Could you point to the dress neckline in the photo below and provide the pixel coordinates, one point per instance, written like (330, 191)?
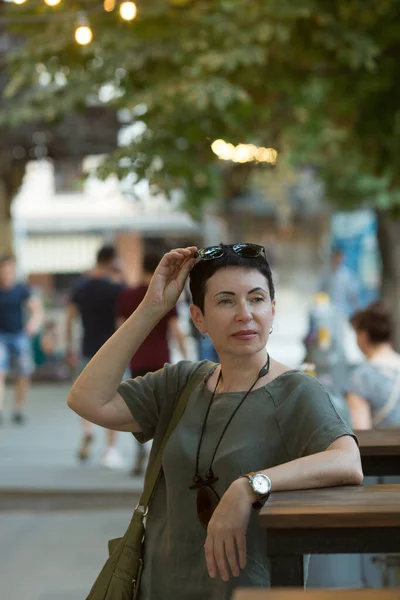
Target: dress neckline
(207, 377)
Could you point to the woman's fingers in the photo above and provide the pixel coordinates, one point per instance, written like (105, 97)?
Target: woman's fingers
(176, 259)
(221, 552)
(210, 560)
(231, 555)
(185, 268)
(220, 558)
(182, 253)
(241, 549)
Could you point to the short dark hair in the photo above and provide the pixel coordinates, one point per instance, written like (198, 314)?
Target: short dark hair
(106, 254)
(205, 269)
(376, 320)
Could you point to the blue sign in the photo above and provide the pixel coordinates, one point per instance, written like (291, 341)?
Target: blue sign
(355, 234)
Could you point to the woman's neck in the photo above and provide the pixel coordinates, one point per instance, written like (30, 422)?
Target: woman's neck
(238, 375)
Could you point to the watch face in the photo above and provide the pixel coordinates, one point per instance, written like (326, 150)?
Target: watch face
(261, 484)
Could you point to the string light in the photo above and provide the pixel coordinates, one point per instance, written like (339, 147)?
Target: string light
(109, 5)
(83, 33)
(243, 153)
(127, 10)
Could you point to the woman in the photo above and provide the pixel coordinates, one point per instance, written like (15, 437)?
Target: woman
(374, 387)
(250, 414)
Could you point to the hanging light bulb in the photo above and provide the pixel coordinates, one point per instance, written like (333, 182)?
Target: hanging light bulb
(52, 2)
(109, 5)
(83, 33)
(127, 10)
(19, 1)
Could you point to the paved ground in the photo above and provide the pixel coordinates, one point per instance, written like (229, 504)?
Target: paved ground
(54, 556)
(41, 454)
(48, 554)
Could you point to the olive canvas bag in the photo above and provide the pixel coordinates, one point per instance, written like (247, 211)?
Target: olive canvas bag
(120, 576)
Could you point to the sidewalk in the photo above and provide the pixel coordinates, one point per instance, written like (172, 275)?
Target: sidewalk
(41, 454)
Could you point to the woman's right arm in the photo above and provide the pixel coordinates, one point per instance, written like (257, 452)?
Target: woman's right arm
(94, 394)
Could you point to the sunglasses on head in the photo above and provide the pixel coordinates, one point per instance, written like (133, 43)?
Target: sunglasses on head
(243, 250)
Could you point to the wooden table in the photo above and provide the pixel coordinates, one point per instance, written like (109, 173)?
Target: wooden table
(296, 594)
(351, 519)
(380, 451)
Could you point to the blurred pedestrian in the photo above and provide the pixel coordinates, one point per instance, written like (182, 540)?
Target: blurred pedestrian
(94, 300)
(374, 387)
(45, 345)
(49, 359)
(155, 350)
(341, 284)
(332, 346)
(15, 332)
(325, 345)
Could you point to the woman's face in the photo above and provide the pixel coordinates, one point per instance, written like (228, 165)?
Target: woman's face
(238, 312)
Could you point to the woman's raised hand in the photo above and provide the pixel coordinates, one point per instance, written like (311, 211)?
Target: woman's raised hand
(169, 278)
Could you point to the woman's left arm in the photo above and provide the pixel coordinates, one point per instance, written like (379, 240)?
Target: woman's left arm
(339, 464)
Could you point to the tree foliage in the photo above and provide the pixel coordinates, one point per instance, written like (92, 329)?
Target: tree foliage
(317, 78)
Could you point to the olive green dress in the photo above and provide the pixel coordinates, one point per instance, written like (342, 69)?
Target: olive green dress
(290, 417)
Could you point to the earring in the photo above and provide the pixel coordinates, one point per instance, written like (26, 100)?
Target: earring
(271, 330)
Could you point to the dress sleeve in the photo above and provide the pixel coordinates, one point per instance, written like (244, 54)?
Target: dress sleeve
(307, 418)
(151, 398)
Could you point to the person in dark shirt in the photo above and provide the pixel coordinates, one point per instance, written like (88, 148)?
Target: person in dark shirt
(155, 351)
(15, 332)
(94, 300)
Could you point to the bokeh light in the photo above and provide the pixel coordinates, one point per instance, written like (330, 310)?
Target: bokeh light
(243, 153)
(83, 35)
(109, 5)
(128, 11)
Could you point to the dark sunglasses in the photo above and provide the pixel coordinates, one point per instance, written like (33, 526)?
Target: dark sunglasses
(243, 250)
(207, 502)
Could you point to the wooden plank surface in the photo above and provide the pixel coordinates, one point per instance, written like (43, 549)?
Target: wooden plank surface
(347, 506)
(379, 441)
(300, 594)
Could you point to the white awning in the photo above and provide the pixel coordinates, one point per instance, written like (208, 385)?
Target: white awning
(70, 253)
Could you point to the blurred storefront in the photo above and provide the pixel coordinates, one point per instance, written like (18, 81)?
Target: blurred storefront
(60, 220)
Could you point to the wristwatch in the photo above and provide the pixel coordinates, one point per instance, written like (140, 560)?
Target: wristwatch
(261, 486)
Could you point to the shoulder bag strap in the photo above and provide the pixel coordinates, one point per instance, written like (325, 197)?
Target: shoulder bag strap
(390, 404)
(155, 472)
